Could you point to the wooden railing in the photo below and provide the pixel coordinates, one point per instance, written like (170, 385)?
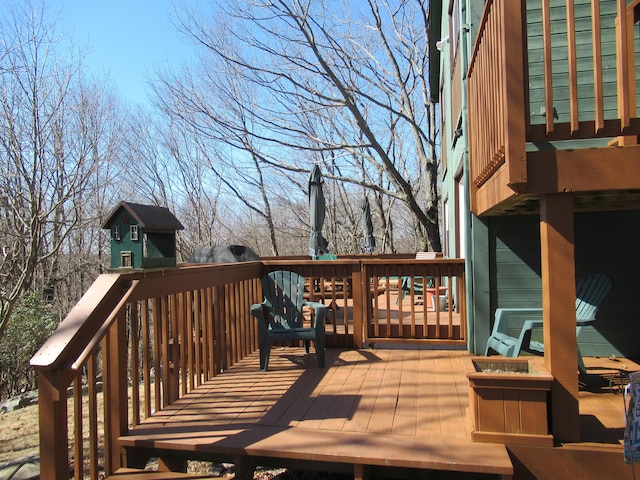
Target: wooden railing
(521, 91)
(416, 301)
(496, 94)
(137, 342)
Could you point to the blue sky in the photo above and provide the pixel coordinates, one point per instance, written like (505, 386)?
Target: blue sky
(125, 39)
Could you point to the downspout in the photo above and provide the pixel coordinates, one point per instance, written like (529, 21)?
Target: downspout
(468, 264)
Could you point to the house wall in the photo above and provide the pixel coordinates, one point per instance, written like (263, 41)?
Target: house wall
(606, 242)
(456, 217)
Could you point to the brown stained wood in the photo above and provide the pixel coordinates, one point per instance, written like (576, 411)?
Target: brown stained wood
(548, 72)
(488, 410)
(558, 302)
(573, 69)
(78, 447)
(598, 91)
(384, 409)
(93, 418)
(135, 362)
(407, 398)
(428, 412)
(146, 365)
(600, 169)
(622, 64)
(632, 15)
(512, 411)
(371, 385)
(533, 406)
(332, 415)
(450, 399)
(253, 412)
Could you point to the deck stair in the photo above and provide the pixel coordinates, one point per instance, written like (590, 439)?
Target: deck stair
(253, 445)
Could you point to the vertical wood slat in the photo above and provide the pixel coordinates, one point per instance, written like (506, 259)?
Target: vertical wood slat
(206, 333)
(622, 65)
(548, 71)
(209, 342)
(146, 364)
(165, 367)
(573, 70)
(93, 416)
(156, 319)
(182, 336)
(192, 312)
(598, 91)
(78, 434)
(134, 323)
(633, 10)
(197, 335)
(174, 350)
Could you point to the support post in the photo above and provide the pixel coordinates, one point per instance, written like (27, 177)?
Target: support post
(559, 312)
(52, 404)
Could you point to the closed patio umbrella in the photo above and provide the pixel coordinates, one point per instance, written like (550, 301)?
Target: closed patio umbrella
(369, 243)
(318, 245)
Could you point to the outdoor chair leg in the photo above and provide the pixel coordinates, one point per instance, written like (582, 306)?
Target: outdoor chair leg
(319, 344)
(265, 351)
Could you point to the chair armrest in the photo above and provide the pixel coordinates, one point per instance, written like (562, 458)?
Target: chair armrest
(258, 311)
(320, 312)
(502, 317)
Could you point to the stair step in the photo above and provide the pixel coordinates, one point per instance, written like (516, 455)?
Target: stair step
(135, 474)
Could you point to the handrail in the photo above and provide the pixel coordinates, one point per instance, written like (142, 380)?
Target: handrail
(150, 337)
(496, 95)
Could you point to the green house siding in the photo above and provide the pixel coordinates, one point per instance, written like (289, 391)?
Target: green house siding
(125, 244)
(142, 236)
(559, 55)
(607, 242)
(160, 250)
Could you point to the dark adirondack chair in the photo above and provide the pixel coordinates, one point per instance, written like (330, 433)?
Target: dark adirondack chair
(280, 315)
(590, 292)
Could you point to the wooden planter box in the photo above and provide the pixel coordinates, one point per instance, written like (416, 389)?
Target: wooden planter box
(509, 401)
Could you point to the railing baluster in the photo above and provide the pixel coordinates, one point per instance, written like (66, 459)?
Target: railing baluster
(78, 434)
(135, 362)
(177, 334)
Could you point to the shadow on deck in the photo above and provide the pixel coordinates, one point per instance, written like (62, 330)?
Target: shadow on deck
(368, 410)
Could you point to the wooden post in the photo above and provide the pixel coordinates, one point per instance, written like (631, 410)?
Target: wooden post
(360, 296)
(559, 312)
(115, 393)
(52, 400)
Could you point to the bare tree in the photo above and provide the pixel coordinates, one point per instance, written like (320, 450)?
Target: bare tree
(54, 139)
(314, 78)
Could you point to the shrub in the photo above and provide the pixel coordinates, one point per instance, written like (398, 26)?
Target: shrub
(31, 323)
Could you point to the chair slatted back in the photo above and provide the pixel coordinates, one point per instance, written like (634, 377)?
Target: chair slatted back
(284, 293)
(590, 292)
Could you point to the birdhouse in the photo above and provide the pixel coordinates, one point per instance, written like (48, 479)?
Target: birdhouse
(142, 236)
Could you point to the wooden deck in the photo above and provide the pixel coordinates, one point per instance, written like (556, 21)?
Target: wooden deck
(368, 409)
(386, 407)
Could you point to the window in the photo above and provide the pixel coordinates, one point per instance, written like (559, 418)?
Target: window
(134, 233)
(126, 259)
(115, 233)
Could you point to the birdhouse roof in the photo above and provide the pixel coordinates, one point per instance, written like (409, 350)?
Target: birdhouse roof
(149, 217)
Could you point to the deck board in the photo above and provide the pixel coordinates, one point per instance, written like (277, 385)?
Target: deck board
(368, 407)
